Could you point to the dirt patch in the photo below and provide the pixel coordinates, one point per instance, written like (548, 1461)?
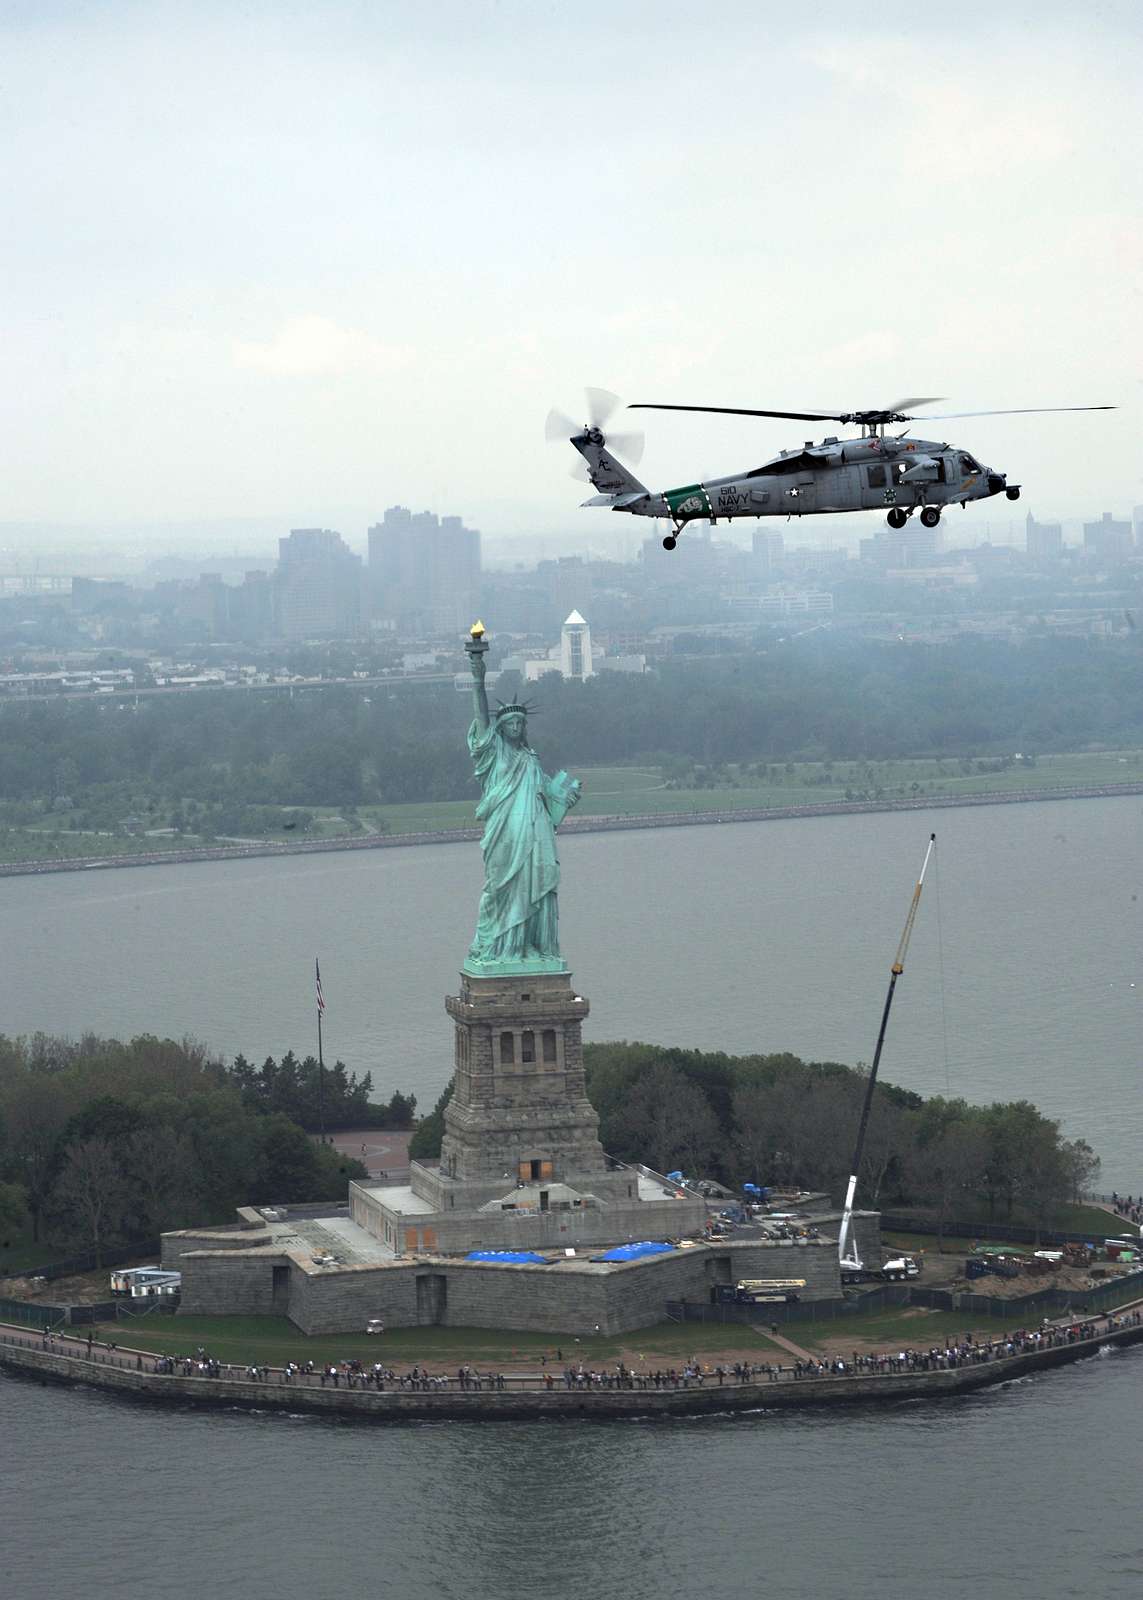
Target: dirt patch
(85, 1289)
(1075, 1280)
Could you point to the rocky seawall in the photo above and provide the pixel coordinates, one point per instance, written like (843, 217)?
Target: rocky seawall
(120, 1373)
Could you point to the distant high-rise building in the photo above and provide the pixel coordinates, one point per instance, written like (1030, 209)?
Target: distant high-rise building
(1044, 541)
(769, 548)
(1108, 538)
(570, 583)
(575, 648)
(914, 545)
(424, 570)
(252, 607)
(318, 586)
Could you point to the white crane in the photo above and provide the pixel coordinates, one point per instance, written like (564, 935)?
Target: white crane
(853, 1262)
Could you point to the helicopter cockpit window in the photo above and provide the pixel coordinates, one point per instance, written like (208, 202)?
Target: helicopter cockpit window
(967, 464)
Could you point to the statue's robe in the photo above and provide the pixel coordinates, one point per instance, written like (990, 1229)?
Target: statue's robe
(518, 914)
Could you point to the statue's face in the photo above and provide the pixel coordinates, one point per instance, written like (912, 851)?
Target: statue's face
(513, 727)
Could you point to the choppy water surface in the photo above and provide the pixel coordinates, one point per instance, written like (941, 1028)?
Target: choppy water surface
(1023, 979)
(1028, 1491)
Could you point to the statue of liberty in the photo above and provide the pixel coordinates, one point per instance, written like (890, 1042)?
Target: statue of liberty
(517, 928)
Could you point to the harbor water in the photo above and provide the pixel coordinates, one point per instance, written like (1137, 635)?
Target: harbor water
(1022, 982)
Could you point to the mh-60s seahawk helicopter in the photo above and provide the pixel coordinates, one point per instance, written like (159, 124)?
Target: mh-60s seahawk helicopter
(875, 471)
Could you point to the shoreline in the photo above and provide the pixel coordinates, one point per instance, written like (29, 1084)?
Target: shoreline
(573, 825)
(120, 1373)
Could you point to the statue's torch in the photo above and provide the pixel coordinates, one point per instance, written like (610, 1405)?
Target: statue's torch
(476, 645)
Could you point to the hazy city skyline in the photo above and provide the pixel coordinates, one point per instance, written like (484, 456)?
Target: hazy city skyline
(292, 267)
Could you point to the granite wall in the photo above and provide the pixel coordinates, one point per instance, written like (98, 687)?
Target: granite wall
(566, 1298)
(176, 1245)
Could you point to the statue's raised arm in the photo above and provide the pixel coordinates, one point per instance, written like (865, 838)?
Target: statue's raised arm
(476, 649)
(517, 928)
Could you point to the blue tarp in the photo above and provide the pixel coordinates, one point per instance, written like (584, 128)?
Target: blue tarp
(513, 1257)
(632, 1252)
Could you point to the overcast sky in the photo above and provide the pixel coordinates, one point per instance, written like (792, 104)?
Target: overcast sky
(305, 261)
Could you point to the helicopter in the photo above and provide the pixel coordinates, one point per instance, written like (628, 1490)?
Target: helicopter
(877, 470)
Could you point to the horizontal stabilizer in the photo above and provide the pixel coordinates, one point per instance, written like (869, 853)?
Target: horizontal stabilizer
(617, 502)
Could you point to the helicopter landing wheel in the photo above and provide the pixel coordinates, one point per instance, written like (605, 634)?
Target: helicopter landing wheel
(670, 542)
(896, 518)
(930, 516)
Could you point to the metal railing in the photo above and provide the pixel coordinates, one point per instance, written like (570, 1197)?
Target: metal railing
(579, 1380)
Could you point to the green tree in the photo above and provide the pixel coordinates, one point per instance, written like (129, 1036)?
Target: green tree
(949, 1160)
(1081, 1167)
(425, 1144)
(400, 1111)
(90, 1193)
(288, 1170)
(13, 1208)
(36, 1104)
(669, 1118)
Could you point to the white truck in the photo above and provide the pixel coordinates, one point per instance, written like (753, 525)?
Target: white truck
(900, 1268)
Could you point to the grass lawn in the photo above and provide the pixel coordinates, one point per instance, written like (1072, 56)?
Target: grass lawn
(1093, 1220)
(629, 791)
(34, 844)
(893, 1330)
(916, 1243)
(275, 1340)
(18, 1252)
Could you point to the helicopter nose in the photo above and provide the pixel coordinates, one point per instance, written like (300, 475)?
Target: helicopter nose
(997, 482)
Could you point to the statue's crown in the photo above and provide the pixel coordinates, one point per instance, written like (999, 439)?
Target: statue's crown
(523, 707)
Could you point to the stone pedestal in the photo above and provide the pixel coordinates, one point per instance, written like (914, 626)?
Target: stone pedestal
(521, 1165)
(519, 1111)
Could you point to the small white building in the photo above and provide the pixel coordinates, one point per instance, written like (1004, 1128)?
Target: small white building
(571, 658)
(145, 1283)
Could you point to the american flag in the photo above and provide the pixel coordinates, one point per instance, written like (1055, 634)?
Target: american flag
(320, 996)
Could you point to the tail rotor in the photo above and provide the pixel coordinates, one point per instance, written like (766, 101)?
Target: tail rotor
(601, 406)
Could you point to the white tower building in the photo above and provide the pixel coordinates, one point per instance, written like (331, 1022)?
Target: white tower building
(575, 648)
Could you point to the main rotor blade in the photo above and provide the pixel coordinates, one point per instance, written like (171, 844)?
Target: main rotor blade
(600, 404)
(626, 444)
(559, 428)
(915, 400)
(741, 411)
(1016, 411)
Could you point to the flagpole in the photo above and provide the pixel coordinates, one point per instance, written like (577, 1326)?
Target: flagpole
(321, 1063)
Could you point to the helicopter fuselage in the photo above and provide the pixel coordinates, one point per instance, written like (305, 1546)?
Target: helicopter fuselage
(897, 475)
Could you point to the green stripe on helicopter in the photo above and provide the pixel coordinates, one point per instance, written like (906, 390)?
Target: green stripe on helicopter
(690, 501)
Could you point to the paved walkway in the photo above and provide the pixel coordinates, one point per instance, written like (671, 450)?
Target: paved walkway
(379, 1149)
(788, 1345)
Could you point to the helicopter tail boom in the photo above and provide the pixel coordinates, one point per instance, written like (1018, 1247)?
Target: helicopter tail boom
(607, 475)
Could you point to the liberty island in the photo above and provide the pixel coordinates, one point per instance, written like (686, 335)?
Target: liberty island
(524, 1221)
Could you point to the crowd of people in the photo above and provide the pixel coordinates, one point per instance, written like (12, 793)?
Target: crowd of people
(1129, 1206)
(967, 1351)
(964, 1350)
